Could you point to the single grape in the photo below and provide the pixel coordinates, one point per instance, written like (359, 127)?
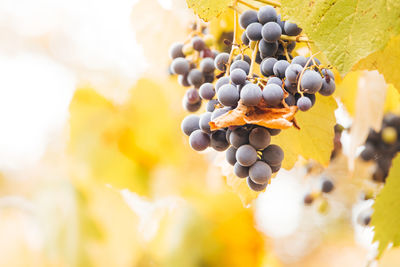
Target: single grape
(256, 187)
(240, 171)
(206, 91)
(326, 185)
(175, 50)
(267, 67)
(238, 76)
(280, 67)
(290, 100)
(180, 66)
(271, 32)
(241, 64)
(190, 124)
(220, 82)
(328, 72)
(290, 87)
(311, 97)
(198, 43)
(195, 78)
(260, 172)
(209, 77)
(247, 17)
(221, 60)
(308, 199)
(219, 112)
(292, 29)
(192, 96)
(204, 121)
(292, 72)
(273, 155)
(210, 107)
(364, 218)
(231, 155)
(253, 31)
(274, 80)
(304, 103)
(245, 39)
(239, 137)
(190, 107)
(243, 57)
(218, 140)
(274, 132)
(207, 65)
(311, 81)
(272, 94)
(267, 14)
(182, 80)
(301, 60)
(259, 138)
(251, 94)
(267, 49)
(328, 87)
(275, 168)
(246, 155)
(199, 140)
(228, 95)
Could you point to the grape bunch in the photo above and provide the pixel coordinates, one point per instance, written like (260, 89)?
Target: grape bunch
(193, 62)
(284, 81)
(381, 147)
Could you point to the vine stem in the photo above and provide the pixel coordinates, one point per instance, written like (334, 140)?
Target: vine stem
(253, 59)
(235, 37)
(296, 38)
(285, 50)
(302, 72)
(269, 2)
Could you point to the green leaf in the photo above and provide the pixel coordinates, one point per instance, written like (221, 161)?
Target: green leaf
(386, 216)
(315, 138)
(208, 9)
(346, 30)
(385, 61)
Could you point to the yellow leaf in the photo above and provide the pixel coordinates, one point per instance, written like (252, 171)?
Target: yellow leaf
(208, 9)
(392, 103)
(314, 140)
(347, 91)
(386, 61)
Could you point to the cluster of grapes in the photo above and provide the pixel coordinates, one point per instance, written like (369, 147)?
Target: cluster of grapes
(193, 62)
(383, 146)
(285, 81)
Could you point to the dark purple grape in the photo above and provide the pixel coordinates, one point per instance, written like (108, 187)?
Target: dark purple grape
(210, 107)
(260, 172)
(273, 155)
(267, 67)
(195, 78)
(272, 94)
(175, 50)
(256, 187)
(198, 43)
(245, 40)
(280, 67)
(240, 171)
(180, 66)
(251, 94)
(218, 112)
(253, 31)
(326, 185)
(207, 65)
(274, 80)
(206, 91)
(221, 60)
(239, 137)
(292, 29)
(304, 103)
(243, 57)
(182, 80)
(271, 32)
(292, 72)
(259, 138)
(218, 140)
(231, 155)
(246, 155)
(220, 82)
(199, 140)
(238, 76)
(274, 132)
(311, 81)
(192, 96)
(190, 107)
(267, 49)
(190, 124)
(204, 121)
(241, 64)
(247, 17)
(228, 95)
(267, 14)
(328, 87)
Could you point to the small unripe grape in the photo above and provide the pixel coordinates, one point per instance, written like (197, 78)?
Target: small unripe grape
(389, 135)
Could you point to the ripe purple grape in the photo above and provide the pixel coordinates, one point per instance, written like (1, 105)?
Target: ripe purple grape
(267, 14)
(239, 137)
(251, 94)
(259, 138)
(256, 187)
(190, 124)
(271, 32)
(292, 29)
(280, 67)
(240, 171)
(195, 78)
(253, 31)
(206, 91)
(246, 155)
(260, 172)
(311, 81)
(221, 60)
(199, 140)
(204, 121)
(267, 49)
(241, 64)
(304, 103)
(175, 50)
(218, 140)
(180, 66)
(273, 155)
(267, 66)
(231, 155)
(207, 65)
(272, 94)
(238, 76)
(228, 95)
(292, 72)
(247, 17)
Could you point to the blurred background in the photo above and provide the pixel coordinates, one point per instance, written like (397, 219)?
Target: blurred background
(96, 172)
